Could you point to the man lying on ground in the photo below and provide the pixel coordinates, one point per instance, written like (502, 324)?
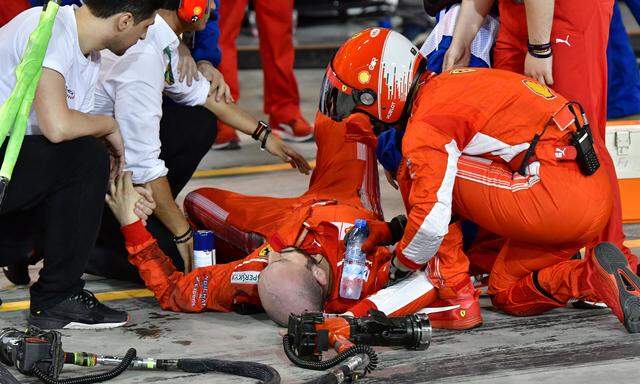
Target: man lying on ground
(163, 151)
(299, 267)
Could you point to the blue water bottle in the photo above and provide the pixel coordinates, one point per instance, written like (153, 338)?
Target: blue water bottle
(354, 267)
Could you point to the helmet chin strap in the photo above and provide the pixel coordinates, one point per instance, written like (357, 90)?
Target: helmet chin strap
(415, 85)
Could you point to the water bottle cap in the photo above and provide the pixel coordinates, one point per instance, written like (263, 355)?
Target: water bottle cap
(361, 223)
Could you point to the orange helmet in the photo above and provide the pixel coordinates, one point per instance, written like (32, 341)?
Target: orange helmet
(373, 72)
(193, 10)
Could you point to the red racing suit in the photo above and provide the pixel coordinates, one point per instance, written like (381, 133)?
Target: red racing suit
(275, 23)
(11, 9)
(579, 37)
(466, 138)
(343, 188)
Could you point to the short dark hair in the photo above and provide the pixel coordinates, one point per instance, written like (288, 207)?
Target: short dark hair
(172, 5)
(140, 9)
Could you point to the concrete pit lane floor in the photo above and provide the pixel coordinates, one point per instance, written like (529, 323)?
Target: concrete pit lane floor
(563, 346)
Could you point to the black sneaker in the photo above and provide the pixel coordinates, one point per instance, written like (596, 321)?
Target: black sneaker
(80, 311)
(18, 273)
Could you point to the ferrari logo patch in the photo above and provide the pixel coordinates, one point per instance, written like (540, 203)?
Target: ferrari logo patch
(265, 251)
(539, 89)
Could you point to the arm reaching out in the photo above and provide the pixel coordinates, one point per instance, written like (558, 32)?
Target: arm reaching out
(404, 298)
(174, 290)
(243, 122)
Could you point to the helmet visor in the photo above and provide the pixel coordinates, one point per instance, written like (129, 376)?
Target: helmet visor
(336, 98)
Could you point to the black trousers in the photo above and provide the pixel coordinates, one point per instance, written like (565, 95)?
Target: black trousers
(186, 134)
(54, 203)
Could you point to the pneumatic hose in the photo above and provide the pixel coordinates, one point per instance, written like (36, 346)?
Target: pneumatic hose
(98, 378)
(324, 365)
(262, 372)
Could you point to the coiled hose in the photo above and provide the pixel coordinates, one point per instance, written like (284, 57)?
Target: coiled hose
(262, 372)
(324, 365)
(98, 378)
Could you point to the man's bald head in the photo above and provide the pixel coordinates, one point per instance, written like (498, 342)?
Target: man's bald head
(286, 287)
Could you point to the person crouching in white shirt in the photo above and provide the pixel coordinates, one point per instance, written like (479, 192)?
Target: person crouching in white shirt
(162, 152)
(55, 199)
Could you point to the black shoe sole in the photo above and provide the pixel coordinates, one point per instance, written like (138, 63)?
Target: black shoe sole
(18, 274)
(53, 323)
(612, 261)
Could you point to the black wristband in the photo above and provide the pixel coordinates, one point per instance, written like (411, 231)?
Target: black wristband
(184, 237)
(263, 144)
(540, 51)
(541, 55)
(397, 226)
(259, 129)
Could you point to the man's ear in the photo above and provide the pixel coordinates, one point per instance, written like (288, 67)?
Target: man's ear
(125, 20)
(320, 275)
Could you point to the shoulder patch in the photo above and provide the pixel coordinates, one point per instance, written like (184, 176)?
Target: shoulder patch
(265, 251)
(539, 89)
(246, 277)
(462, 70)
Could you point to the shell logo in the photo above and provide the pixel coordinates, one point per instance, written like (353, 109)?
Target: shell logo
(197, 10)
(364, 77)
(539, 89)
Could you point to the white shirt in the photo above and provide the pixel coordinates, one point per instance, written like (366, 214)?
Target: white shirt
(63, 55)
(482, 43)
(130, 89)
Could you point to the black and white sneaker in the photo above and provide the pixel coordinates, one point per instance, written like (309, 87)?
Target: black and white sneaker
(80, 311)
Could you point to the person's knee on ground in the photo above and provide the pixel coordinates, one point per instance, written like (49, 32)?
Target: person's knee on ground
(525, 298)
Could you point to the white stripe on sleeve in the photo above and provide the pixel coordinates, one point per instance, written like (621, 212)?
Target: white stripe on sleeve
(426, 241)
(395, 297)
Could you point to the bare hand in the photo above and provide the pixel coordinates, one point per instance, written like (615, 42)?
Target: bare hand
(123, 199)
(218, 85)
(187, 68)
(277, 147)
(146, 205)
(115, 145)
(391, 179)
(458, 55)
(539, 69)
(186, 252)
